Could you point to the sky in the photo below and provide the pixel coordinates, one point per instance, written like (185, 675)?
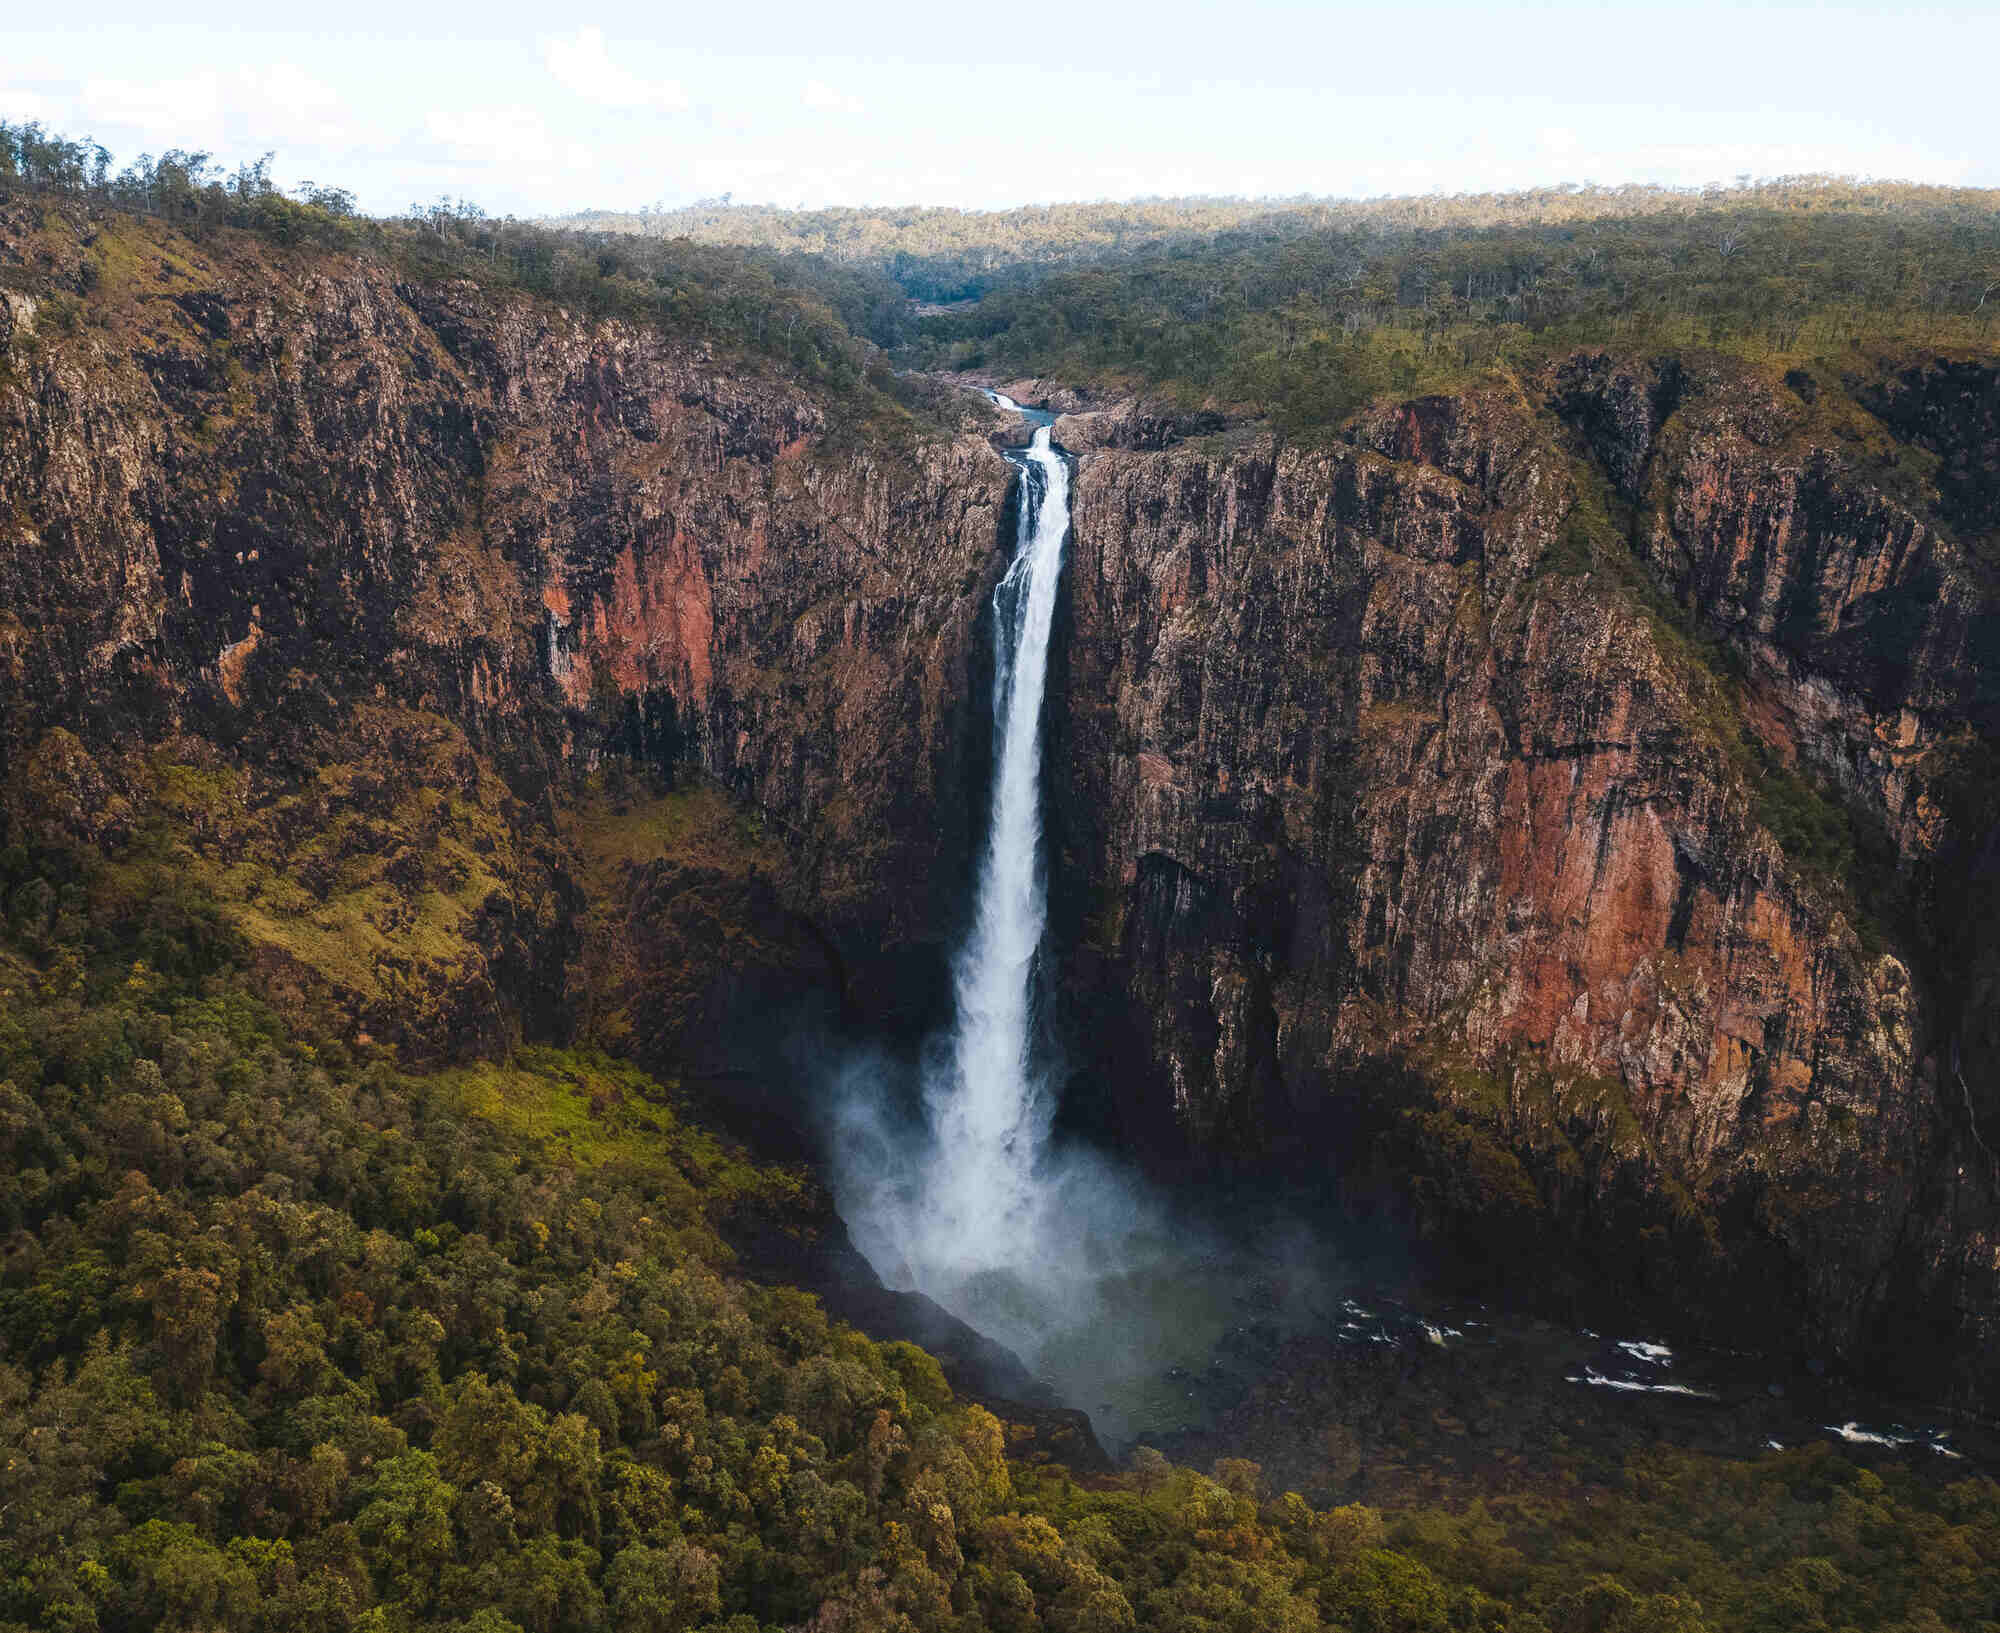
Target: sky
(541, 109)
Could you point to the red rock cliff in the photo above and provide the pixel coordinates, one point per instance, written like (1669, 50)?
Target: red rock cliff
(243, 492)
(1463, 744)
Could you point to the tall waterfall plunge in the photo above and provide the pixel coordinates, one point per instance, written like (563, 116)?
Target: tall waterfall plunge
(1046, 1250)
(963, 1208)
(988, 1112)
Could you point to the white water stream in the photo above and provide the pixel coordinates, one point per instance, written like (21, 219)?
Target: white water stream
(1036, 1248)
(988, 1111)
(1058, 1254)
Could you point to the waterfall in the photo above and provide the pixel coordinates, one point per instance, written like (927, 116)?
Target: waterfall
(988, 1113)
(966, 1207)
(1049, 1250)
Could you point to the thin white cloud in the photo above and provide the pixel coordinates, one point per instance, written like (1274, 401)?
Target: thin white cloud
(20, 107)
(823, 98)
(493, 135)
(183, 112)
(272, 105)
(583, 65)
(297, 105)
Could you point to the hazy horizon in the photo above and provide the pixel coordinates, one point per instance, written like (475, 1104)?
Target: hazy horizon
(1275, 201)
(900, 106)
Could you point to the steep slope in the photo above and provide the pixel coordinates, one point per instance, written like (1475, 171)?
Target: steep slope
(1412, 823)
(357, 576)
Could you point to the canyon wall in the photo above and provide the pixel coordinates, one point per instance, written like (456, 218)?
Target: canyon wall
(1462, 753)
(1565, 811)
(385, 566)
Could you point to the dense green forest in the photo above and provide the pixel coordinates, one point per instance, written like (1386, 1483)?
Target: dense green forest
(1308, 329)
(294, 1338)
(1304, 310)
(941, 254)
(1298, 311)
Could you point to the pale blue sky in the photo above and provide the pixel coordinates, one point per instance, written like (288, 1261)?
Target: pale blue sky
(532, 108)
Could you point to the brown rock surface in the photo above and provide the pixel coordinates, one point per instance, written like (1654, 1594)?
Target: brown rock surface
(1388, 752)
(1576, 802)
(243, 491)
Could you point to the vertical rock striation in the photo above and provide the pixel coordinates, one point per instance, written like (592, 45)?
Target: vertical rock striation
(243, 491)
(1457, 744)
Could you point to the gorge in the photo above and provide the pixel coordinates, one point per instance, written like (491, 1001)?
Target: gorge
(1527, 844)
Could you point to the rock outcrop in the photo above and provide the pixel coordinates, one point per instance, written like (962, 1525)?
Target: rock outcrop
(1477, 743)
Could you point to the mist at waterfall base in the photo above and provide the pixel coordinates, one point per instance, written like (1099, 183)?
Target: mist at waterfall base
(1078, 1269)
(951, 1185)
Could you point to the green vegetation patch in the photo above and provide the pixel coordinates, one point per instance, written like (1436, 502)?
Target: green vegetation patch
(583, 1107)
(377, 887)
(1332, 306)
(621, 821)
(291, 1338)
(805, 317)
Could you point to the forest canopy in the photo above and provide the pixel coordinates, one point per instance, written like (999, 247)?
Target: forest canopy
(1296, 310)
(1304, 310)
(294, 1338)
(938, 253)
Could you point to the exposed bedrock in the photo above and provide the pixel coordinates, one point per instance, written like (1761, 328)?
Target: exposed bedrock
(1567, 813)
(1459, 749)
(244, 495)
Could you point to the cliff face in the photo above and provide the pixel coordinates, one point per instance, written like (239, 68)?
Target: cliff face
(1396, 753)
(1570, 811)
(296, 526)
